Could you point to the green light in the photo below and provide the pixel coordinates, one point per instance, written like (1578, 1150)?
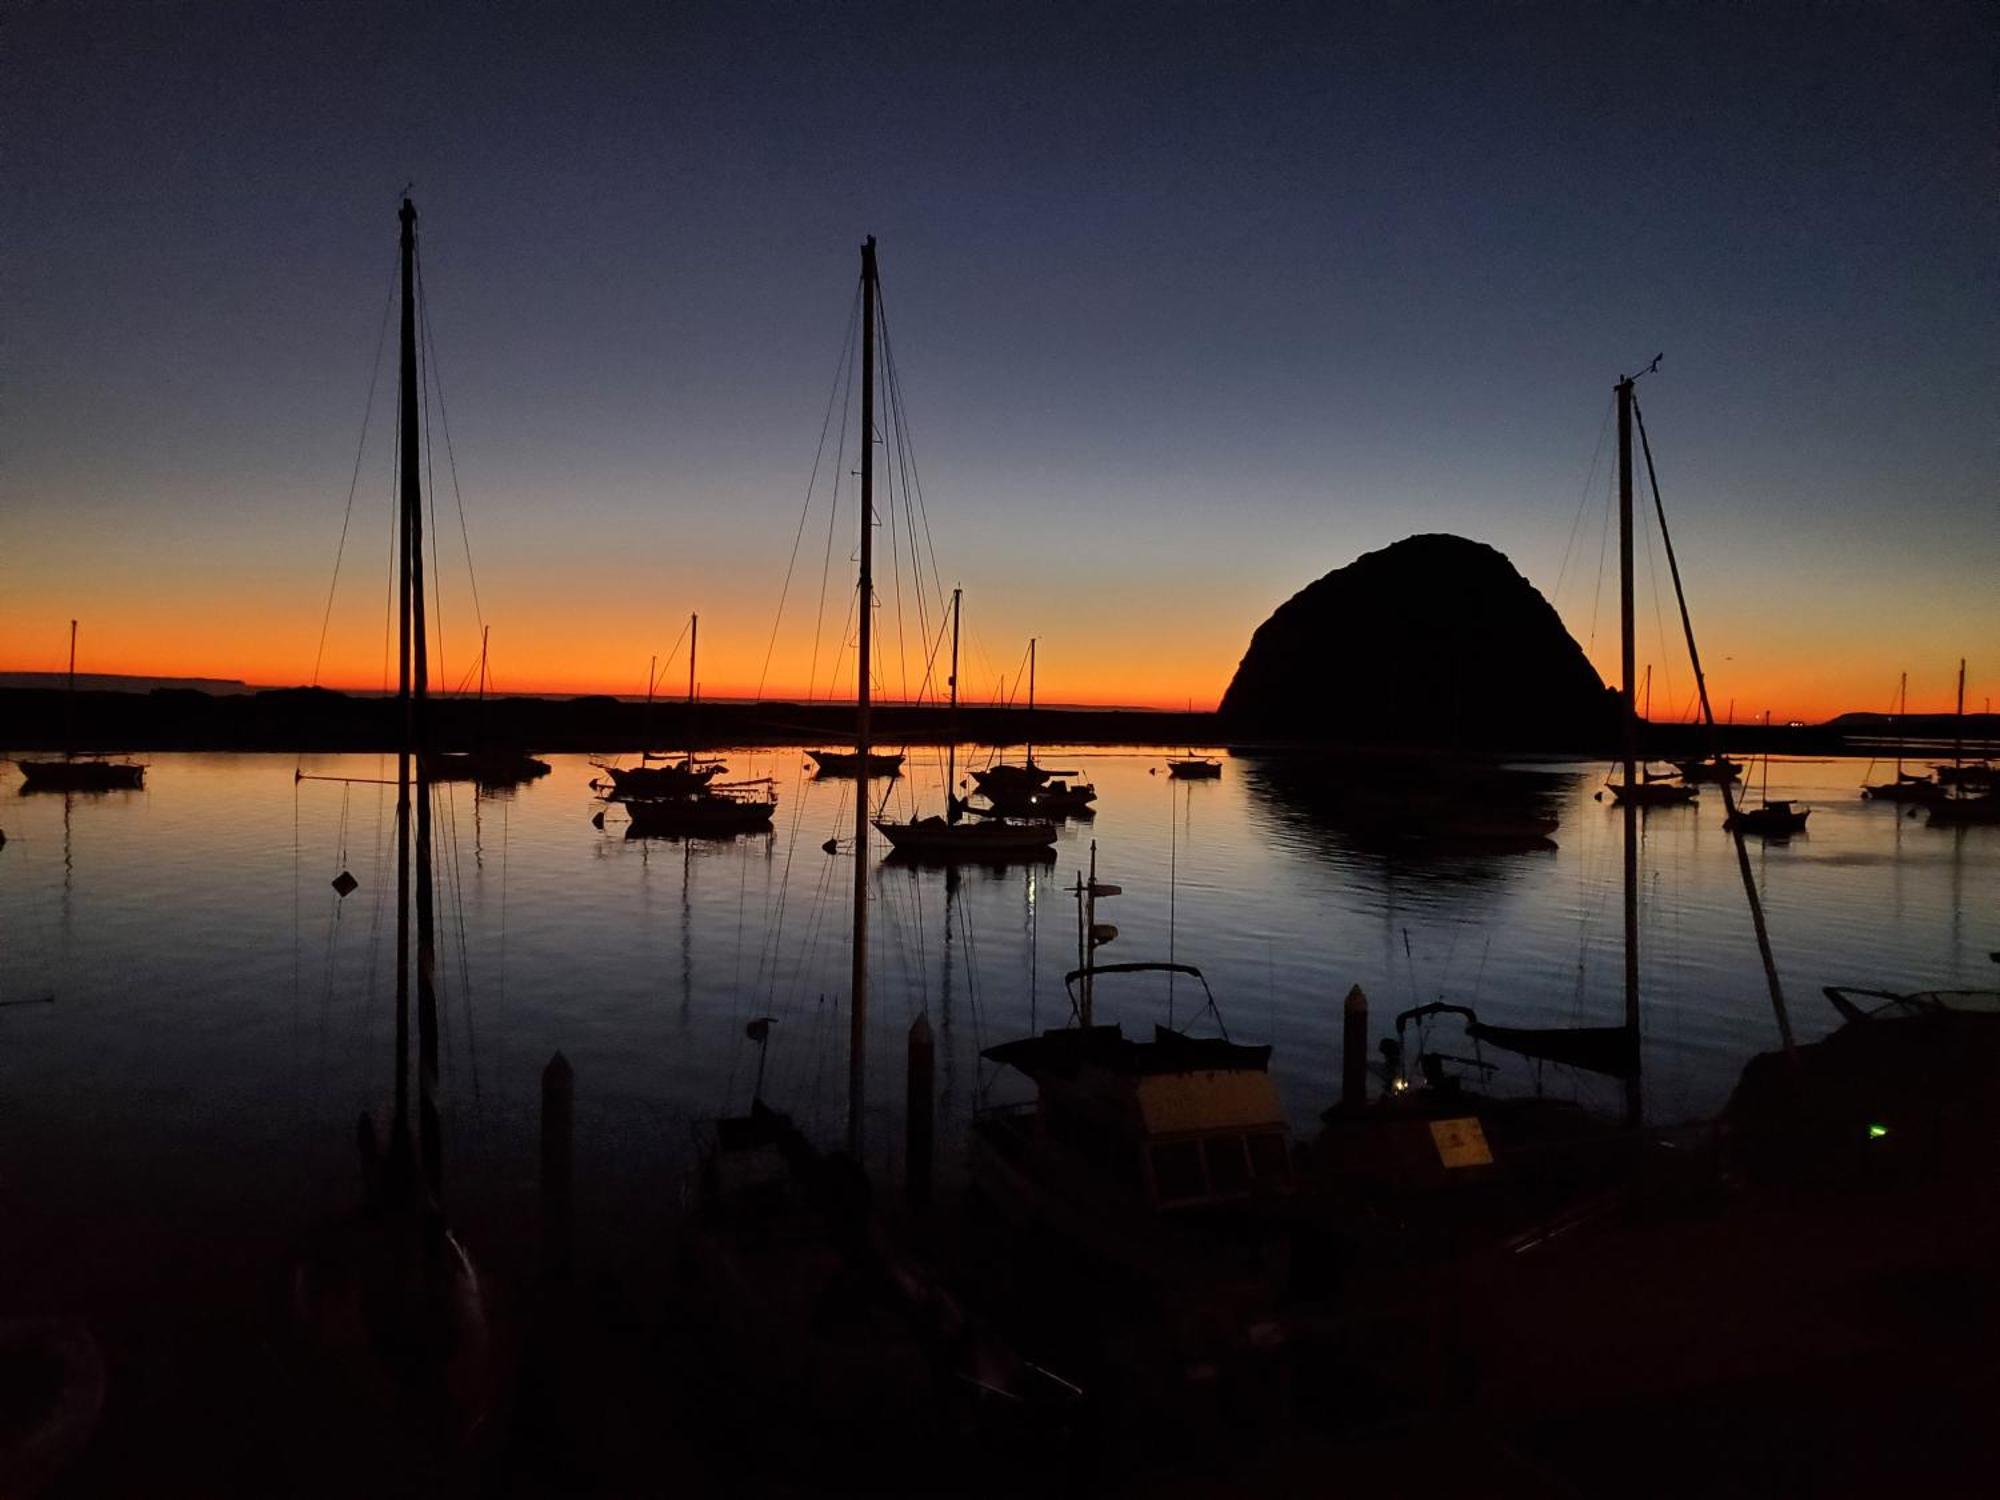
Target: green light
(1876, 1132)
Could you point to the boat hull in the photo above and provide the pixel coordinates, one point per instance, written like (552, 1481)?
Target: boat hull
(486, 768)
(1768, 822)
(700, 817)
(676, 780)
(847, 763)
(80, 776)
(936, 840)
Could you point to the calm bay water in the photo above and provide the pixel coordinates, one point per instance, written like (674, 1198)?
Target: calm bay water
(193, 1019)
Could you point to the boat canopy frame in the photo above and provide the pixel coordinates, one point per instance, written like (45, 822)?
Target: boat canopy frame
(1153, 967)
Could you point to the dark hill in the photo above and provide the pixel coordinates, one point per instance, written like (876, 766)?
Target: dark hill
(1435, 640)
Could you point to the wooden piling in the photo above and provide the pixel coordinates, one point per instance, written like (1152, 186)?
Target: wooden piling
(558, 1154)
(920, 1122)
(1354, 1051)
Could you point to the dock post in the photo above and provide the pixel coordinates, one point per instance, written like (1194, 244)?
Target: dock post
(558, 1142)
(919, 1121)
(1354, 1051)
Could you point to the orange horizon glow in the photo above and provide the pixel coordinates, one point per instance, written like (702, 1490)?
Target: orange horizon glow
(1153, 675)
(1162, 638)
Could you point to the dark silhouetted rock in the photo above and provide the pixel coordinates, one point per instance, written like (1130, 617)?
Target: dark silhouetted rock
(1433, 641)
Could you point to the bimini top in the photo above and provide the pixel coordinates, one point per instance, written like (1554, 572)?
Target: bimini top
(1068, 1052)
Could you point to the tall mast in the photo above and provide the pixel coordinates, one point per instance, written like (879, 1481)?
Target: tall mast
(406, 431)
(694, 639)
(430, 1142)
(485, 643)
(1630, 738)
(1031, 702)
(857, 1015)
(951, 725)
(646, 722)
(1902, 719)
(1959, 725)
(69, 698)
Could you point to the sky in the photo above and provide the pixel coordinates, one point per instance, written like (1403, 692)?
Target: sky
(1191, 303)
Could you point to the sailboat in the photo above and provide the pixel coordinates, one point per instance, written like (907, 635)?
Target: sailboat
(672, 777)
(1771, 820)
(71, 773)
(821, 1313)
(881, 763)
(1964, 805)
(391, 1296)
(1031, 790)
(1905, 787)
(683, 798)
(1612, 1051)
(948, 838)
(490, 767)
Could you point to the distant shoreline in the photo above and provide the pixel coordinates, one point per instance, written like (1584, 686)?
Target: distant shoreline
(316, 719)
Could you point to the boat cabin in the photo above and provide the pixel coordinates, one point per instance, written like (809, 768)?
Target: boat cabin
(1181, 1122)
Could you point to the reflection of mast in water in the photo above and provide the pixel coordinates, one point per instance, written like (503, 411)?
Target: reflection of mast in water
(687, 931)
(1034, 949)
(944, 995)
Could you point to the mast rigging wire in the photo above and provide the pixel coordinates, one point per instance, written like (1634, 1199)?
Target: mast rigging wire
(354, 478)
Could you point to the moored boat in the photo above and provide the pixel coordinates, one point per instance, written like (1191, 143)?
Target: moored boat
(847, 763)
(73, 772)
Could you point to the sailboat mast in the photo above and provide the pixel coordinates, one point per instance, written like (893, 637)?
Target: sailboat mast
(694, 640)
(857, 1015)
(951, 724)
(1630, 736)
(69, 698)
(1958, 723)
(406, 488)
(429, 1137)
(1031, 702)
(1902, 720)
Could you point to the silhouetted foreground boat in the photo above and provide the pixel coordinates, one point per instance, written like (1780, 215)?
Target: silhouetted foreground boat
(839, 1339)
(1145, 1195)
(1195, 768)
(847, 763)
(1909, 1086)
